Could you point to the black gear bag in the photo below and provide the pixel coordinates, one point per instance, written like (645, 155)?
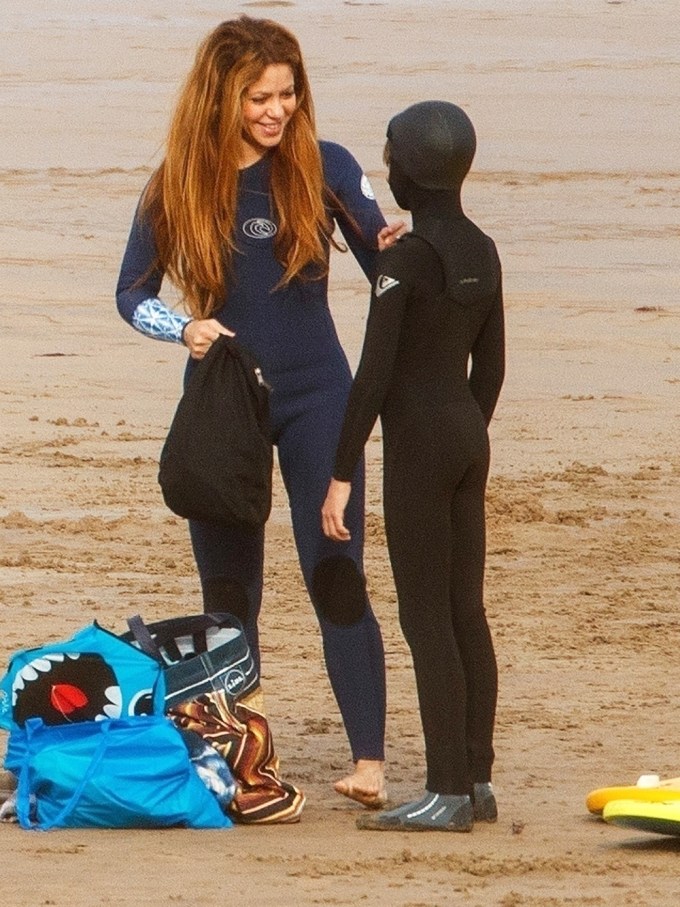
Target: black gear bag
(216, 463)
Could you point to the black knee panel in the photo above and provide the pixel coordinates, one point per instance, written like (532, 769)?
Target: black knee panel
(339, 591)
(220, 593)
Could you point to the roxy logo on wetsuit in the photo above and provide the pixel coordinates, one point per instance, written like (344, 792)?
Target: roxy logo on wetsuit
(259, 228)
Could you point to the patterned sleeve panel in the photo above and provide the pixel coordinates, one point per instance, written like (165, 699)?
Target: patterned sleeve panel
(155, 319)
(139, 284)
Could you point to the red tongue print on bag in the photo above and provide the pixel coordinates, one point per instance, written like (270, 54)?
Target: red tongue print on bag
(66, 698)
(62, 688)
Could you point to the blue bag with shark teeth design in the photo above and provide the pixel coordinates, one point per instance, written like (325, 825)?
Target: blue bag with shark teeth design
(93, 676)
(91, 746)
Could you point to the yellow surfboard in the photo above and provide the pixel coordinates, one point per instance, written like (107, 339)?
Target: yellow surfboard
(659, 818)
(648, 789)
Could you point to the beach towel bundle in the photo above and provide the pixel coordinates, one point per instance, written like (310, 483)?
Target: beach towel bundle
(90, 744)
(213, 690)
(239, 731)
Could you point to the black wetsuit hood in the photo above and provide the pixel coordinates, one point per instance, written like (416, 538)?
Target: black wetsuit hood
(433, 142)
(431, 146)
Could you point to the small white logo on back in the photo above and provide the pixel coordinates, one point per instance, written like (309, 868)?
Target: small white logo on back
(383, 284)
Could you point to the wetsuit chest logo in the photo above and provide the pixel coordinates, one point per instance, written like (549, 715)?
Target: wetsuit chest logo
(259, 228)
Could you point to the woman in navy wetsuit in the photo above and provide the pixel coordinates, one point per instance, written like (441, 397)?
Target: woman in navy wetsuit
(239, 216)
(432, 367)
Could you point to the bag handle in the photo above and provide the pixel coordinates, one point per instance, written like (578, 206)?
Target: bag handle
(146, 641)
(202, 622)
(24, 787)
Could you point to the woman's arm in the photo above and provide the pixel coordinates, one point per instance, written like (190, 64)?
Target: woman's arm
(139, 283)
(354, 206)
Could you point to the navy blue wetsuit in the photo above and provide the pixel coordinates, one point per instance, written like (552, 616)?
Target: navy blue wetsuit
(291, 332)
(413, 373)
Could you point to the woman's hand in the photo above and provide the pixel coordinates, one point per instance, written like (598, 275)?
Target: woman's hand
(198, 336)
(333, 511)
(390, 234)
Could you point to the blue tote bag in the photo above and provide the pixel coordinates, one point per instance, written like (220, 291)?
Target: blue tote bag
(93, 676)
(132, 772)
(90, 743)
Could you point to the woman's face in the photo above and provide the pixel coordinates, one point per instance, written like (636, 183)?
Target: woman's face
(268, 106)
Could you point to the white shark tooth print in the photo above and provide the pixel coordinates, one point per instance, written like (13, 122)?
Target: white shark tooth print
(32, 671)
(114, 707)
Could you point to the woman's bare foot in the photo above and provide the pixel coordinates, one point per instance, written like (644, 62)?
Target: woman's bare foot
(366, 784)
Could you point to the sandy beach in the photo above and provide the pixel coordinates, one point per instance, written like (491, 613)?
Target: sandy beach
(576, 178)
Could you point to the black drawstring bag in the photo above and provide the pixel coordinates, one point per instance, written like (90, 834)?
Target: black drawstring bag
(216, 463)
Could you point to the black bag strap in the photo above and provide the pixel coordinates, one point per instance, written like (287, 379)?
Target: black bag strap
(166, 632)
(144, 638)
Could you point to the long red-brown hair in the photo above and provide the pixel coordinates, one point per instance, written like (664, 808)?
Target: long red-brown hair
(191, 198)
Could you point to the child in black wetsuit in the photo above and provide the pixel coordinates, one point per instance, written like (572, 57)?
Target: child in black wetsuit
(432, 367)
